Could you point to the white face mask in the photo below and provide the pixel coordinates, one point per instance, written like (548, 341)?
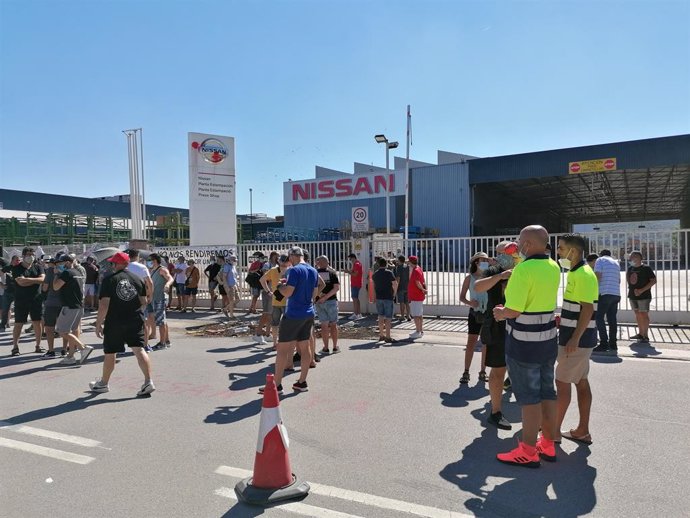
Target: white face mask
(483, 266)
(565, 262)
(28, 259)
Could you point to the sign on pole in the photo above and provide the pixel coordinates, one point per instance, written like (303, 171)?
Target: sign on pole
(360, 219)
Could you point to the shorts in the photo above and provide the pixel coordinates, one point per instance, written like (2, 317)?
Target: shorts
(384, 308)
(574, 367)
(68, 320)
(89, 290)
(354, 291)
(115, 336)
(158, 310)
(148, 309)
(416, 308)
(233, 293)
(32, 308)
(221, 289)
(327, 311)
(50, 314)
(256, 292)
(179, 288)
(266, 301)
(640, 305)
(401, 297)
(473, 327)
(190, 291)
(295, 329)
(531, 383)
(212, 285)
(276, 314)
(494, 339)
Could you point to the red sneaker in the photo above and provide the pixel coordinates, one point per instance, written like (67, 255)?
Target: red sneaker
(546, 449)
(521, 457)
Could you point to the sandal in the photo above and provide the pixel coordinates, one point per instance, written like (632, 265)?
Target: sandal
(465, 379)
(312, 366)
(483, 376)
(15, 352)
(39, 350)
(336, 350)
(583, 439)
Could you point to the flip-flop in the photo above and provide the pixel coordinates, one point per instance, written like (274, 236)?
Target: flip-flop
(584, 439)
(336, 350)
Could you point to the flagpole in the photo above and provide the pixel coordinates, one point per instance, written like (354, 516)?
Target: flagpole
(407, 176)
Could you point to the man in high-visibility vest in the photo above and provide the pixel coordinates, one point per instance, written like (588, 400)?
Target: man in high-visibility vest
(531, 346)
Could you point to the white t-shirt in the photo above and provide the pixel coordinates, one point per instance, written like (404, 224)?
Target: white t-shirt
(610, 270)
(139, 270)
(180, 276)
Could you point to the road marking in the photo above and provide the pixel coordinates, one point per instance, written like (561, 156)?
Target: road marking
(38, 432)
(46, 452)
(294, 507)
(362, 498)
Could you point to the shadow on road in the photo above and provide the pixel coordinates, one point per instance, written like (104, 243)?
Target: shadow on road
(462, 395)
(81, 403)
(564, 489)
(242, 510)
(644, 349)
(606, 358)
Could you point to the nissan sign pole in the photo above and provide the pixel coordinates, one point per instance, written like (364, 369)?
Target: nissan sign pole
(407, 174)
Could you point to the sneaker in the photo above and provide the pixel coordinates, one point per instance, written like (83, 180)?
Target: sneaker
(465, 378)
(499, 421)
(167, 342)
(148, 348)
(416, 334)
(409, 318)
(279, 388)
(192, 310)
(507, 385)
(352, 317)
(98, 386)
(520, 457)
(358, 316)
(68, 360)
(638, 336)
(300, 386)
(263, 339)
(336, 350)
(645, 339)
(390, 340)
(50, 354)
(225, 312)
(158, 347)
(601, 348)
(146, 388)
(546, 449)
(84, 353)
(613, 348)
(324, 352)
(63, 352)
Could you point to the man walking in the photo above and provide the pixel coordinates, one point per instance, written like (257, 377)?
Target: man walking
(402, 275)
(327, 304)
(577, 336)
(28, 275)
(120, 321)
(356, 272)
(385, 288)
(161, 280)
(640, 278)
(531, 346)
(90, 284)
(417, 293)
(608, 274)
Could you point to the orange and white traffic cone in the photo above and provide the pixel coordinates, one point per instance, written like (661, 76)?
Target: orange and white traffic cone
(273, 480)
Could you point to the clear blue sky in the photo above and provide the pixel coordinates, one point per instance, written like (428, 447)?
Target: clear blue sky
(301, 83)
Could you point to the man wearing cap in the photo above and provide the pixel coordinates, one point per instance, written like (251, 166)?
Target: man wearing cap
(28, 276)
(416, 293)
(66, 281)
(300, 288)
(120, 321)
(356, 272)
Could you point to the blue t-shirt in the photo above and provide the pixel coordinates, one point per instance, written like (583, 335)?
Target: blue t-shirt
(304, 279)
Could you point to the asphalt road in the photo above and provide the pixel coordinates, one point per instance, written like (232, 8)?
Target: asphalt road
(378, 422)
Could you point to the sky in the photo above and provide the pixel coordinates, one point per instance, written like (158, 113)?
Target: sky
(302, 83)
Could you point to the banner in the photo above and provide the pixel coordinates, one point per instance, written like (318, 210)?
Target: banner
(212, 212)
(592, 166)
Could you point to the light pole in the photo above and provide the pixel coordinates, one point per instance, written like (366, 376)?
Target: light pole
(381, 139)
(251, 214)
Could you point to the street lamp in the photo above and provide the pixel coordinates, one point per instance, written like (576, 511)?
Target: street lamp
(381, 139)
(251, 214)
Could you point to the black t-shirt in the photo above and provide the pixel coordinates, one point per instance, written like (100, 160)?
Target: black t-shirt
(402, 273)
(212, 270)
(71, 293)
(330, 278)
(9, 281)
(497, 292)
(383, 284)
(91, 273)
(123, 289)
(27, 293)
(639, 277)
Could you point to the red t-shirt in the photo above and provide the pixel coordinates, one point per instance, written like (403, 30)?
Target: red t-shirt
(413, 292)
(357, 275)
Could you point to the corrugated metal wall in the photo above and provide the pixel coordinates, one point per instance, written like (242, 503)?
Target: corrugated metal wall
(333, 214)
(440, 199)
(637, 154)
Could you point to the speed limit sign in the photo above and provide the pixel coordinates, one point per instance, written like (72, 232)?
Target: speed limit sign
(360, 219)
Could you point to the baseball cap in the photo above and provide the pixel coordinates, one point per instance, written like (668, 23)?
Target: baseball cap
(296, 250)
(49, 259)
(62, 257)
(413, 258)
(511, 249)
(351, 255)
(119, 258)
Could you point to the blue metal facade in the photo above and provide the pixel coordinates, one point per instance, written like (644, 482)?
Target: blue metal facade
(56, 203)
(335, 213)
(440, 199)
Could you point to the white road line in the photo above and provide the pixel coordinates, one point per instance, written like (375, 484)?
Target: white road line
(363, 498)
(294, 507)
(38, 432)
(46, 452)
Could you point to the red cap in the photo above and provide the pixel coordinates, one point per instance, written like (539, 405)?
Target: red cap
(511, 249)
(413, 258)
(119, 258)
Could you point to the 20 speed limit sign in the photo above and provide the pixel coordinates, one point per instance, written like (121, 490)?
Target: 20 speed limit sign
(360, 219)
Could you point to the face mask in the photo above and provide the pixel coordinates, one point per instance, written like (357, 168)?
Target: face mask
(565, 262)
(61, 268)
(483, 266)
(149, 264)
(505, 261)
(523, 255)
(28, 259)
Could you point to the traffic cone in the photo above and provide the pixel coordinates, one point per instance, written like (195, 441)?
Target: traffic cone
(273, 480)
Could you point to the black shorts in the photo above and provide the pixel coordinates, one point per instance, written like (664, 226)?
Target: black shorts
(473, 327)
(295, 329)
(24, 309)
(115, 336)
(50, 314)
(221, 289)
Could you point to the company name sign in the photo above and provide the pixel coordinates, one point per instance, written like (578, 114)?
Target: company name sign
(356, 187)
